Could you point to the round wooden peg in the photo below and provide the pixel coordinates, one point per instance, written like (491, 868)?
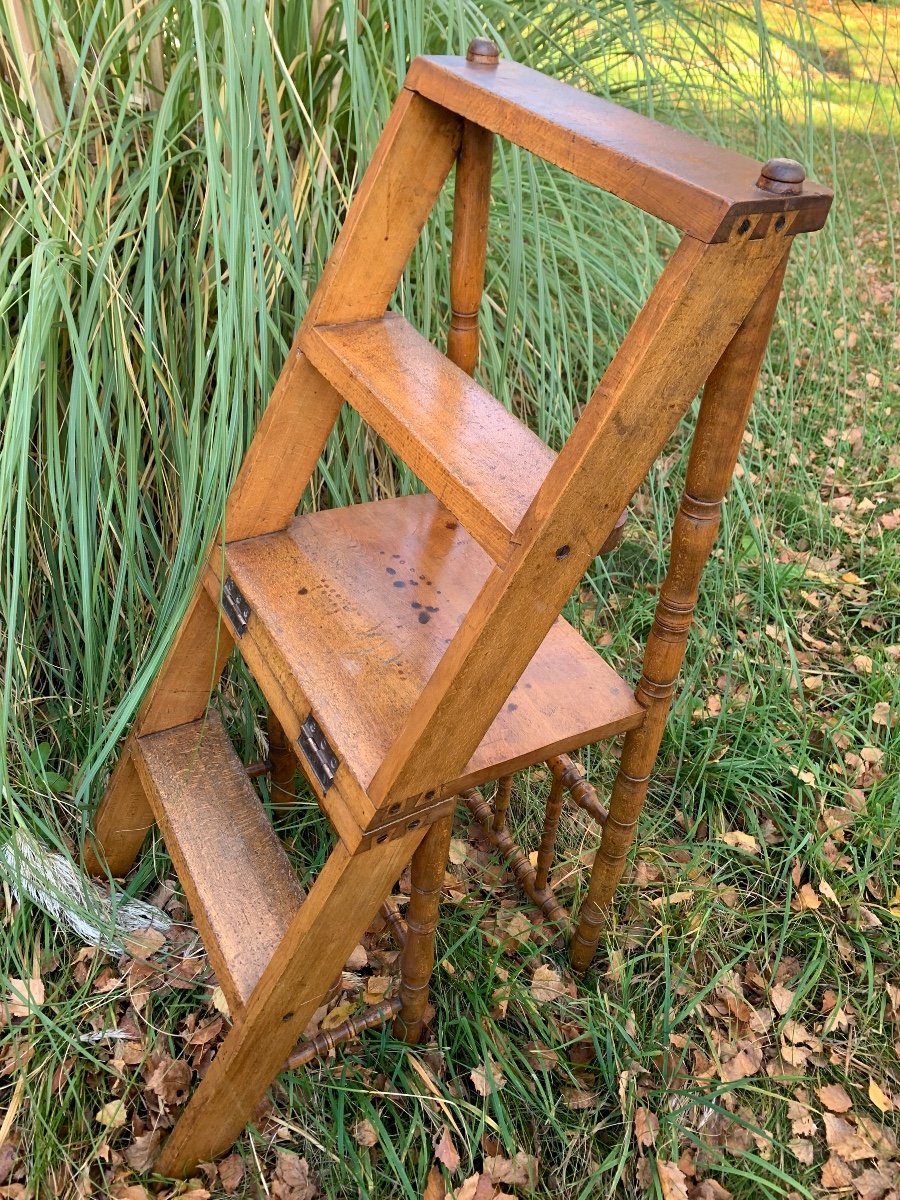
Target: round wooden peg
(783, 176)
(483, 50)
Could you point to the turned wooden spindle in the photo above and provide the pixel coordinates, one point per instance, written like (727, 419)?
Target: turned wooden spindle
(543, 898)
(581, 793)
(417, 955)
(547, 846)
(471, 199)
(501, 802)
(328, 1039)
(723, 415)
(282, 762)
(394, 922)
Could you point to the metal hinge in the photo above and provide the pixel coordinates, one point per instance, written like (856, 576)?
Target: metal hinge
(317, 752)
(235, 607)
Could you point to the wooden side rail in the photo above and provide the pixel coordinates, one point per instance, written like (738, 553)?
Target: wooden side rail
(699, 188)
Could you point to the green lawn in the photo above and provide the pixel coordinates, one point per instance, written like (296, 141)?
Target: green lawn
(740, 1035)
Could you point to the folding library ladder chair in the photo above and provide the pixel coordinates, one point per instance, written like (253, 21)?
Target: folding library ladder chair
(412, 649)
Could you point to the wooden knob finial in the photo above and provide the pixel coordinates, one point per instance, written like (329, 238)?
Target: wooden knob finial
(483, 50)
(783, 176)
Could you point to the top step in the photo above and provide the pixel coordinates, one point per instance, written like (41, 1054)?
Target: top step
(474, 455)
(700, 188)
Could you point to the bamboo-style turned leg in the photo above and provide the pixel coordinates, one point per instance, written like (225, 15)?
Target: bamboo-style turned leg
(417, 956)
(470, 222)
(283, 772)
(723, 414)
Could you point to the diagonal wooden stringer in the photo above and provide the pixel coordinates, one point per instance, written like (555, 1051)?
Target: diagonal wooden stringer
(412, 649)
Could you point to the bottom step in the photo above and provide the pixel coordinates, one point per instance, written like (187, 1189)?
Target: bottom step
(241, 888)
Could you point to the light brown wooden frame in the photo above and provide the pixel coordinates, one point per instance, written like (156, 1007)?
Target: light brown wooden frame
(706, 322)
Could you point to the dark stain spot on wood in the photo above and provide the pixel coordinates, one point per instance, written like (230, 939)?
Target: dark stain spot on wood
(431, 608)
(424, 618)
(512, 707)
(303, 591)
(415, 604)
(399, 583)
(452, 525)
(391, 570)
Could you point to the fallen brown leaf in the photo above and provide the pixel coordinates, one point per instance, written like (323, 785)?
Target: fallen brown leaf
(521, 1170)
(481, 1187)
(741, 841)
(338, 1015)
(782, 999)
(364, 1133)
(802, 1124)
(358, 959)
(881, 1101)
(435, 1188)
(141, 1154)
(746, 1061)
(803, 1150)
(835, 1097)
(843, 1140)
(487, 1078)
(672, 1181)
(836, 1174)
(112, 1114)
(547, 985)
(577, 1098)
(231, 1172)
(874, 1182)
(142, 943)
(446, 1152)
(646, 1127)
(806, 900)
(293, 1179)
(169, 1081)
(709, 1189)
(25, 995)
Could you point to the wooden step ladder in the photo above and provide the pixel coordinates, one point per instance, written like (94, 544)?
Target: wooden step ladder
(411, 650)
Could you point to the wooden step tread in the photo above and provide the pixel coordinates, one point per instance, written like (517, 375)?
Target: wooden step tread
(474, 455)
(698, 187)
(241, 888)
(351, 610)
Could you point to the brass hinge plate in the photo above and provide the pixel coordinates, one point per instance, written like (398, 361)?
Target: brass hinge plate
(235, 607)
(317, 752)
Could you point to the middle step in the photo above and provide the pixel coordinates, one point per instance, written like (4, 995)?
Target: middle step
(345, 614)
(477, 458)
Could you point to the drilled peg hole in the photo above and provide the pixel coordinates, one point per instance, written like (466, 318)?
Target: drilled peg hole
(780, 223)
(395, 808)
(381, 840)
(288, 1017)
(563, 552)
(744, 226)
(414, 825)
(429, 795)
